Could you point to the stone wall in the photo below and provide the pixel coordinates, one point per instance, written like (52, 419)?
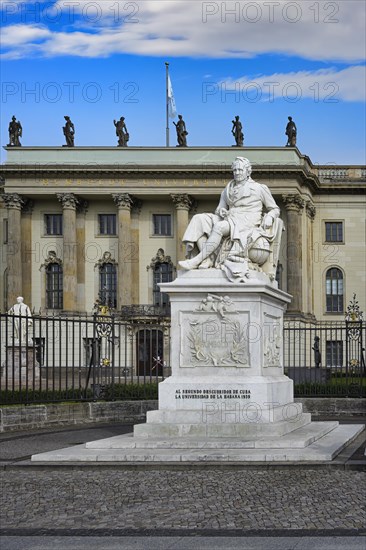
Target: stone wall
(21, 417)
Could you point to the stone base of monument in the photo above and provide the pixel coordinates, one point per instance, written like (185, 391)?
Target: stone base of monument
(21, 366)
(228, 399)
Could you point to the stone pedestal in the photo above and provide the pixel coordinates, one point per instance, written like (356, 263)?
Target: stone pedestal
(21, 366)
(228, 399)
(226, 357)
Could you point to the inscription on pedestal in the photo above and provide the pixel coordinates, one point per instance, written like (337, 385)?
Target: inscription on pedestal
(212, 394)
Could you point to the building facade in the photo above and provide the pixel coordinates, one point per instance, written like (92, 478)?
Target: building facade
(78, 224)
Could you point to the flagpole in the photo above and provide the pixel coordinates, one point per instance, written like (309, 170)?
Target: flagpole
(167, 103)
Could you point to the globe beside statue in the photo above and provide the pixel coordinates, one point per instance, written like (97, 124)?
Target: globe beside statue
(260, 251)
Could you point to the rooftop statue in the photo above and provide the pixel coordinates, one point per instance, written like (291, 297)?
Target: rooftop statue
(15, 132)
(237, 131)
(182, 133)
(69, 132)
(239, 237)
(121, 132)
(291, 133)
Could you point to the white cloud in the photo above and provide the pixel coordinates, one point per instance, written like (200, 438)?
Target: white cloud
(207, 29)
(18, 35)
(327, 85)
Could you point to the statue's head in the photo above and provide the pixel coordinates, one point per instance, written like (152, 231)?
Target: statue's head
(20, 299)
(66, 117)
(180, 117)
(290, 118)
(241, 168)
(13, 118)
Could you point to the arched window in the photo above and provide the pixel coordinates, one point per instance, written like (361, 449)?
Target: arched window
(162, 268)
(163, 273)
(54, 286)
(108, 284)
(334, 290)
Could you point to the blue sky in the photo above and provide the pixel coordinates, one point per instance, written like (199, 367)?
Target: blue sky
(263, 61)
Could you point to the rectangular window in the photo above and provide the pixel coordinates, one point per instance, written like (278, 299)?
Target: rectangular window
(334, 350)
(53, 224)
(107, 224)
(162, 224)
(54, 287)
(334, 232)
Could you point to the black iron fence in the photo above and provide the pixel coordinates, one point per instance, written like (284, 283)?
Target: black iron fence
(82, 358)
(125, 356)
(326, 359)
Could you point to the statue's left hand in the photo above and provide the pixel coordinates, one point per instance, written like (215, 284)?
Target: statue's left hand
(267, 221)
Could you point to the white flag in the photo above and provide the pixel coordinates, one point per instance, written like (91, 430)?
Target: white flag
(171, 100)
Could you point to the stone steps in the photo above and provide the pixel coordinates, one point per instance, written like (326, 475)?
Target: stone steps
(223, 429)
(119, 449)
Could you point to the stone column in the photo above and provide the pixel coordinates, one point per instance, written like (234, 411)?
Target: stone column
(81, 260)
(69, 261)
(14, 204)
(135, 240)
(124, 201)
(26, 236)
(183, 204)
(310, 216)
(294, 205)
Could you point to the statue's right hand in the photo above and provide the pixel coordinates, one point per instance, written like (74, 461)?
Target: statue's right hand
(223, 212)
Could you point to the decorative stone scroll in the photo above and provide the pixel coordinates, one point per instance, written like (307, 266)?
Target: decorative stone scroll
(310, 210)
(50, 260)
(160, 258)
(105, 259)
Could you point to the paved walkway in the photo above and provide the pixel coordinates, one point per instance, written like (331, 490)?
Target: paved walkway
(173, 502)
(183, 543)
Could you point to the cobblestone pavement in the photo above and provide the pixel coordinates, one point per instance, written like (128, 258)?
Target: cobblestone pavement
(199, 499)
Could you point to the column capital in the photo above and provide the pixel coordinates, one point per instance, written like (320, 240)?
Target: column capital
(293, 202)
(82, 206)
(310, 210)
(13, 200)
(68, 200)
(182, 201)
(28, 205)
(137, 205)
(123, 200)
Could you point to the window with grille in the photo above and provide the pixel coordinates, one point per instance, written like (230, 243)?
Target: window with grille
(108, 284)
(334, 350)
(107, 224)
(53, 224)
(163, 273)
(334, 290)
(334, 232)
(162, 224)
(54, 286)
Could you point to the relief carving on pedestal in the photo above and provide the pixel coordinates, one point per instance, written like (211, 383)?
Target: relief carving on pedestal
(216, 340)
(272, 347)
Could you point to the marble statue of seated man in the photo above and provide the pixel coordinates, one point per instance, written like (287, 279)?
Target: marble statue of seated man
(240, 235)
